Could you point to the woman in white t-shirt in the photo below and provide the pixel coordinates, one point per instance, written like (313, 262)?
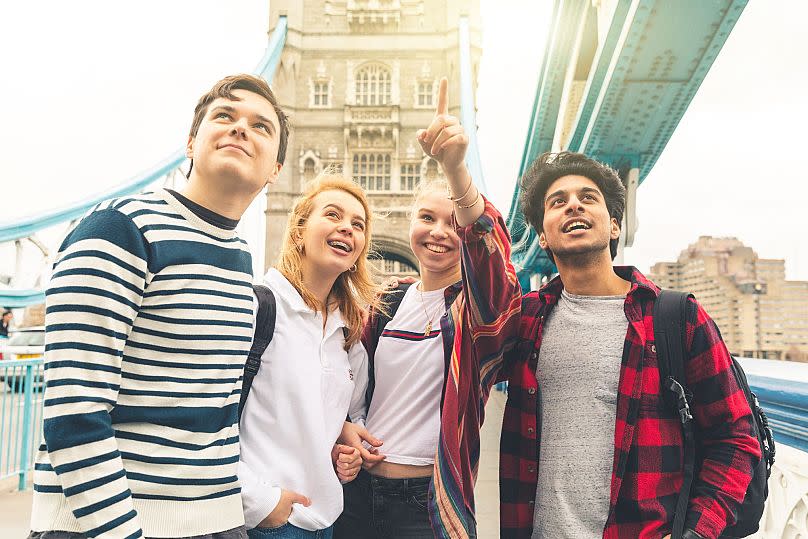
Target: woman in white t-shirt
(432, 361)
(313, 372)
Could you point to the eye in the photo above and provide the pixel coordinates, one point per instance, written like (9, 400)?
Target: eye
(332, 214)
(222, 115)
(589, 196)
(427, 217)
(359, 225)
(556, 201)
(264, 127)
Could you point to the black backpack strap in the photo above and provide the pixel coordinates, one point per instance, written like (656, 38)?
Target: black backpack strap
(264, 329)
(392, 301)
(670, 309)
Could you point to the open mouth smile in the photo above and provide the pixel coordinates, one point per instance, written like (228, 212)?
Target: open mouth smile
(576, 225)
(340, 245)
(435, 248)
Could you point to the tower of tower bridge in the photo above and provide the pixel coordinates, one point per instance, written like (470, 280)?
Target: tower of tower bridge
(358, 78)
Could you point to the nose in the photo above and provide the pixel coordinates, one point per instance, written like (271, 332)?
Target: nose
(574, 205)
(345, 227)
(239, 128)
(439, 230)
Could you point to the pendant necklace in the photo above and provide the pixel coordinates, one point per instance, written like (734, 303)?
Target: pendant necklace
(429, 319)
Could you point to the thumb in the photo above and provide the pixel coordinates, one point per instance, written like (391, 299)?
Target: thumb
(341, 448)
(369, 438)
(294, 497)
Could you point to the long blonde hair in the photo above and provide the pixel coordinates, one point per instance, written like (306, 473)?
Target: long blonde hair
(354, 291)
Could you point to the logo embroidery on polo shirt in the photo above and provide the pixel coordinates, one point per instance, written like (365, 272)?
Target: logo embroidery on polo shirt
(350, 374)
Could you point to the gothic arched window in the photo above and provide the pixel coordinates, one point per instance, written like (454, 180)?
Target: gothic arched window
(373, 84)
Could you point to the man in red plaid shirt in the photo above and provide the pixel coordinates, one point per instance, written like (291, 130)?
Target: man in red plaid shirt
(589, 448)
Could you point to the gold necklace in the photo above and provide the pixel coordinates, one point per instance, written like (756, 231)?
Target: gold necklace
(429, 319)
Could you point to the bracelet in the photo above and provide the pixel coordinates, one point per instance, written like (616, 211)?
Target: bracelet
(461, 197)
(476, 200)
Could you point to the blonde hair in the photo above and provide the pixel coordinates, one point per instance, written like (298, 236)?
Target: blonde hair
(426, 187)
(353, 291)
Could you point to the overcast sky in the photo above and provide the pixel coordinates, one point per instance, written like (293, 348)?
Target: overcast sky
(97, 91)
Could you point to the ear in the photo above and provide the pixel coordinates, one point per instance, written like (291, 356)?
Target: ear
(542, 241)
(273, 176)
(189, 148)
(615, 229)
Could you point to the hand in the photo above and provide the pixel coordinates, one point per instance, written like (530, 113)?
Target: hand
(353, 435)
(280, 515)
(445, 139)
(347, 462)
(393, 282)
(667, 536)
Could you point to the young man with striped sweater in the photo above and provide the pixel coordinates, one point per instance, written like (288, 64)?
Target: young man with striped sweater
(149, 319)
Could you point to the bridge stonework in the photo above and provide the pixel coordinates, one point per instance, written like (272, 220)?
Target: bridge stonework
(358, 79)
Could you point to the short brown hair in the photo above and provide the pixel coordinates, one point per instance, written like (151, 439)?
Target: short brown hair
(257, 85)
(549, 167)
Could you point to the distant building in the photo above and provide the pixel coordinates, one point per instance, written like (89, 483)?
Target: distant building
(759, 313)
(358, 79)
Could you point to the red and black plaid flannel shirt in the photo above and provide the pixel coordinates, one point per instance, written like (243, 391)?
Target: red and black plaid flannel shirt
(647, 470)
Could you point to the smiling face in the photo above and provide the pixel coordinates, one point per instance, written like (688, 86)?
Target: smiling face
(576, 219)
(433, 239)
(333, 236)
(237, 143)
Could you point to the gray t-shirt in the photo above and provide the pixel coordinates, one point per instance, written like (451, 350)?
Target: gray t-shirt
(578, 372)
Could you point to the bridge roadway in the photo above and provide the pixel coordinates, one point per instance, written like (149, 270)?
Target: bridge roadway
(15, 507)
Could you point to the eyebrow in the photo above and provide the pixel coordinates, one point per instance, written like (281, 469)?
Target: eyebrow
(260, 117)
(338, 207)
(564, 192)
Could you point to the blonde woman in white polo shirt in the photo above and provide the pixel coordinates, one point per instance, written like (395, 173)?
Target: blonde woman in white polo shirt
(314, 372)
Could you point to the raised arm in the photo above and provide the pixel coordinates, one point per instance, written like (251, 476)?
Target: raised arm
(492, 291)
(93, 298)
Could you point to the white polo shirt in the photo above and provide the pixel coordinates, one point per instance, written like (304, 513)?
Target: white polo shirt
(306, 386)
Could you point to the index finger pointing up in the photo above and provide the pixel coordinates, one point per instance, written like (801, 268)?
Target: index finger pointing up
(443, 99)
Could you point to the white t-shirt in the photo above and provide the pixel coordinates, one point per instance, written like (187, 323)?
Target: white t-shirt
(306, 386)
(409, 370)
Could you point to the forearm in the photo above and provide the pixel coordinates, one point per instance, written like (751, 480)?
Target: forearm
(468, 203)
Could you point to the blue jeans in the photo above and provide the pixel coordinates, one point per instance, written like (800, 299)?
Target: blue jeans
(289, 531)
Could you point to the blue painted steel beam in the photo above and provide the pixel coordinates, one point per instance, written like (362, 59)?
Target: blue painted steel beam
(24, 227)
(21, 298)
(785, 403)
(21, 228)
(468, 109)
(646, 69)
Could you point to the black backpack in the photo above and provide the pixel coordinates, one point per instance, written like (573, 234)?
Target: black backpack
(670, 338)
(264, 329)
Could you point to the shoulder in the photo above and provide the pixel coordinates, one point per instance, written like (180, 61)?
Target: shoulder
(108, 225)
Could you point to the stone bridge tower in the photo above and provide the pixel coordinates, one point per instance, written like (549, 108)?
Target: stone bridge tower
(358, 79)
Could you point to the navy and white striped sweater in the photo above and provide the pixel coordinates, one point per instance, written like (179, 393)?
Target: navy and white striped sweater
(149, 318)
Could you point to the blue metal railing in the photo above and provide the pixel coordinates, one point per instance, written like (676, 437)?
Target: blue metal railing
(20, 417)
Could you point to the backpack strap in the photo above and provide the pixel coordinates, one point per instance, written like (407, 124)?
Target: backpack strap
(264, 329)
(670, 309)
(392, 301)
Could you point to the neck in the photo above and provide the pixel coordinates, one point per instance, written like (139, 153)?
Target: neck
(318, 284)
(434, 280)
(591, 276)
(219, 197)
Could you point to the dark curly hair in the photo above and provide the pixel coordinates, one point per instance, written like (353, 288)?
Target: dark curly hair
(549, 167)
